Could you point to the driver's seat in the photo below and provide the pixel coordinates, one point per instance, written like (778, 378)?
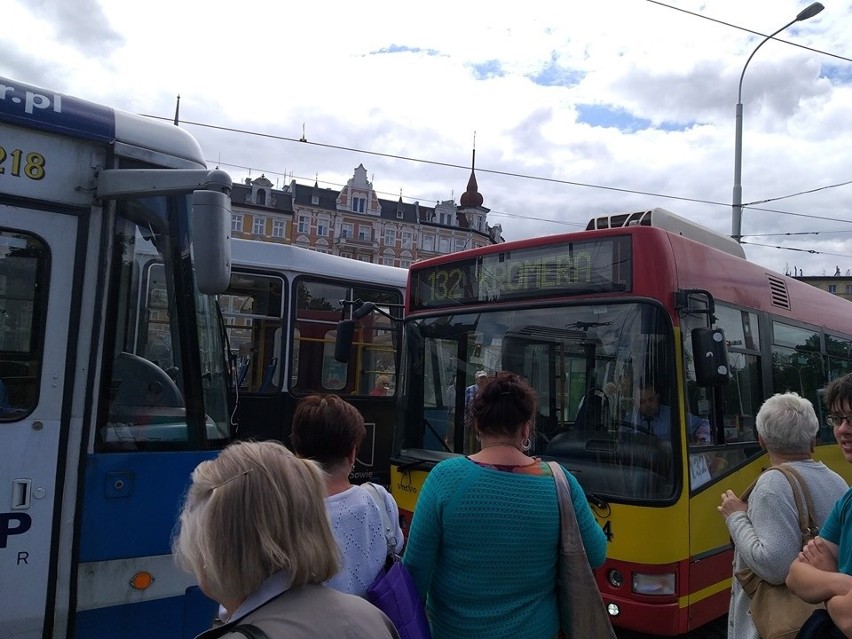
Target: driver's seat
(593, 414)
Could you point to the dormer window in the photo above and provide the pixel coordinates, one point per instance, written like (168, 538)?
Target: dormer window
(260, 197)
(359, 204)
(315, 200)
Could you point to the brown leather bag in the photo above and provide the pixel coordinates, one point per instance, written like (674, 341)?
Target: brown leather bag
(776, 612)
(581, 609)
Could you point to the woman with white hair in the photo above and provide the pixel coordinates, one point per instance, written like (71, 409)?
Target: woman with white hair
(254, 532)
(765, 531)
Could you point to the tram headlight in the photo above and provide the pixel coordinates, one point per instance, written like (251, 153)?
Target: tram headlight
(654, 584)
(613, 610)
(615, 578)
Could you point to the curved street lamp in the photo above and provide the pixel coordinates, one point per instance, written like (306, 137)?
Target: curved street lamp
(737, 213)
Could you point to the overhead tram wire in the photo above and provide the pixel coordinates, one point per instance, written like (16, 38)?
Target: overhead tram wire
(749, 205)
(757, 33)
(522, 176)
(582, 184)
(799, 250)
(450, 165)
(788, 233)
(527, 177)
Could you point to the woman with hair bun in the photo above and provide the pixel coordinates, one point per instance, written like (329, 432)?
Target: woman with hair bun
(483, 544)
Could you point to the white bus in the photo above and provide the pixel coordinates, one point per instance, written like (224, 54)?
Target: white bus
(281, 311)
(114, 237)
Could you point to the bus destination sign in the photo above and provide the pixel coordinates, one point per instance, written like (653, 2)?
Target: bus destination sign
(572, 268)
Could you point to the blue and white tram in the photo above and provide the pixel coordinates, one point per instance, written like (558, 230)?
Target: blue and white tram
(114, 237)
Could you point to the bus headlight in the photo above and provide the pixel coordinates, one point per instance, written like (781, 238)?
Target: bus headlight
(655, 584)
(615, 578)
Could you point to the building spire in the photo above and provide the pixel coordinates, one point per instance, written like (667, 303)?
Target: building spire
(471, 197)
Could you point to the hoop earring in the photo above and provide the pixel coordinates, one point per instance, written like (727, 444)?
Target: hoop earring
(526, 445)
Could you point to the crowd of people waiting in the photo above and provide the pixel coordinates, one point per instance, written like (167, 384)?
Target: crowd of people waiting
(287, 545)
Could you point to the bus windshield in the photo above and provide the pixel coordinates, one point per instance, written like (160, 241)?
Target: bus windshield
(589, 365)
(167, 388)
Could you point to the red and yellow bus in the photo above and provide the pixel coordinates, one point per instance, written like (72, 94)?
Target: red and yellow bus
(587, 317)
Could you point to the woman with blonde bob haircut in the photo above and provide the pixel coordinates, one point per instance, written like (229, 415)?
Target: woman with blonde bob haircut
(254, 532)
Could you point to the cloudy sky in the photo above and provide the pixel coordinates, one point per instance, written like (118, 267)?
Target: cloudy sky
(578, 109)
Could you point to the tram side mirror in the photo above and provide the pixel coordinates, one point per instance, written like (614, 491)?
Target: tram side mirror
(710, 351)
(211, 240)
(343, 341)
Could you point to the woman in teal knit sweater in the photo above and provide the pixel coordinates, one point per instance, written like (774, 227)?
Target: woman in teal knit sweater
(483, 543)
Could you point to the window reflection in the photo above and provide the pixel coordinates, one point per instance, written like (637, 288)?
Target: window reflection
(23, 285)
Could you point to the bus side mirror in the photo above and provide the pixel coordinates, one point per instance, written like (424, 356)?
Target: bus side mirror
(710, 352)
(343, 341)
(211, 240)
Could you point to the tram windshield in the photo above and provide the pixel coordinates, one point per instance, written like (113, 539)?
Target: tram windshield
(168, 382)
(591, 367)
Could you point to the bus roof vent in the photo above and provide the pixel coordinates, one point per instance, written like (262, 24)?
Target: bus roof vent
(668, 221)
(778, 292)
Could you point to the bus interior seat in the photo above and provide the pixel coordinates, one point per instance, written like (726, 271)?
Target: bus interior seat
(545, 426)
(243, 373)
(269, 375)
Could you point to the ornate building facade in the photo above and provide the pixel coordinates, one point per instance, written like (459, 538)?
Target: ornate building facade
(355, 222)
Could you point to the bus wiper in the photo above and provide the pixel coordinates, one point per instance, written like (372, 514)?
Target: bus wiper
(584, 326)
(437, 436)
(599, 505)
(413, 464)
(597, 501)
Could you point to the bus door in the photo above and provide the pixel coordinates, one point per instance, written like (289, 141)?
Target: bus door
(560, 366)
(37, 265)
(253, 309)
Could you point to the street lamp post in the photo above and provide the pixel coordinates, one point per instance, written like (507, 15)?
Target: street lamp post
(737, 202)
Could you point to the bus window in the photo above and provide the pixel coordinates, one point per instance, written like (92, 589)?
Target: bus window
(376, 340)
(796, 361)
(252, 311)
(23, 285)
(839, 356)
(743, 396)
(333, 376)
(319, 306)
(797, 366)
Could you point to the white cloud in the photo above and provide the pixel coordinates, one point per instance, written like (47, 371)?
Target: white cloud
(417, 81)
